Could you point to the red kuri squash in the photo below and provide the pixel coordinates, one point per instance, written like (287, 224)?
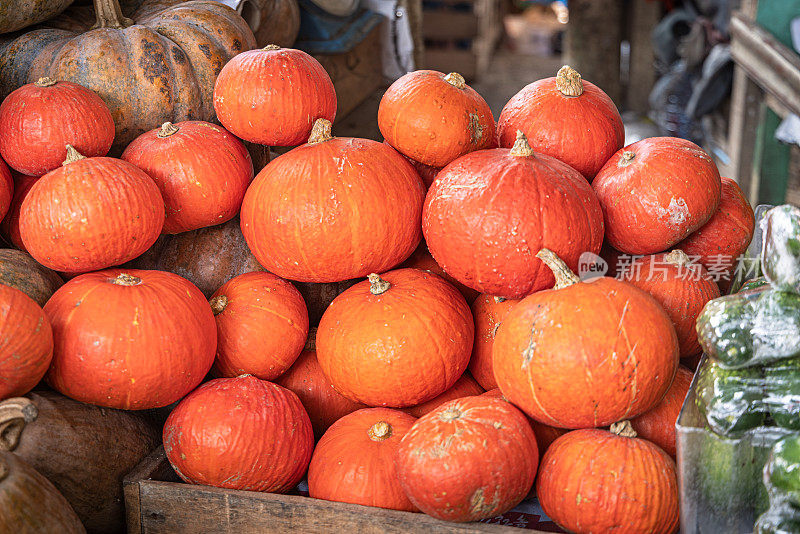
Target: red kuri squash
(240, 433)
(565, 117)
(396, 340)
(422, 259)
(655, 193)
(6, 188)
(333, 209)
(10, 223)
(466, 386)
(26, 343)
(469, 459)
(680, 285)
(90, 214)
(354, 461)
(272, 96)
(433, 119)
(487, 312)
(130, 339)
(489, 213)
(585, 354)
(38, 120)
(262, 325)
(599, 481)
(201, 169)
(658, 424)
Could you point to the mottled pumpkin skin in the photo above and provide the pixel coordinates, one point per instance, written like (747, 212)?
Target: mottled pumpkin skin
(587, 355)
(22, 13)
(20, 271)
(669, 189)
(10, 224)
(352, 465)
(466, 386)
(26, 343)
(469, 459)
(658, 424)
(409, 344)
(131, 347)
(489, 213)
(596, 482)
(162, 68)
(488, 313)
(433, 121)
(268, 437)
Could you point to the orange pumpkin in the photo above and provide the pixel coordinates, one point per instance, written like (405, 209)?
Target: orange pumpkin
(655, 193)
(333, 209)
(262, 325)
(464, 387)
(273, 96)
(487, 312)
(681, 286)
(354, 460)
(6, 189)
(565, 117)
(489, 213)
(585, 354)
(422, 259)
(10, 224)
(433, 119)
(658, 425)
(594, 480)
(469, 459)
(408, 334)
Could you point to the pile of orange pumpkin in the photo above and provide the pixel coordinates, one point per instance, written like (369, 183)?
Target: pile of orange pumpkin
(382, 403)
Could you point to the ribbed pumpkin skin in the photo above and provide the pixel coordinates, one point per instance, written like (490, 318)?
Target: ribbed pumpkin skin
(30, 503)
(488, 214)
(36, 124)
(17, 15)
(658, 424)
(682, 289)
(726, 236)
(469, 459)
(26, 343)
(20, 271)
(91, 214)
(10, 223)
(668, 190)
(323, 404)
(487, 313)
(587, 355)
(273, 97)
(593, 481)
(466, 386)
(421, 259)
(6, 188)
(262, 325)
(334, 210)
(582, 131)
(201, 170)
(354, 464)
(240, 433)
(433, 121)
(409, 344)
(131, 347)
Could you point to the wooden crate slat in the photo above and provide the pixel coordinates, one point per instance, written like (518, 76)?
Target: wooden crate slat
(446, 25)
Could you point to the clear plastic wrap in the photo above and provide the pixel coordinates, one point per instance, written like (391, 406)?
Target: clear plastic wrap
(782, 480)
(780, 253)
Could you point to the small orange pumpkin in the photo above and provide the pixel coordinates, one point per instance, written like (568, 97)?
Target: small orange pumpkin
(487, 312)
(464, 387)
(658, 424)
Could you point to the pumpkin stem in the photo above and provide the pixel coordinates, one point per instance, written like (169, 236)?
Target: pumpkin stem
(320, 132)
(380, 431)
(499, 299)
(624, 429)
(166, 130)
(72, 156)
(14, 414)
(271, 47)
(125, 279)
(450, 414)
(456, 80)
(377, 285)
(677, 257)
(218, 304)
(311, 340)
(569, 82)
(626, 158)
(564, 275)
(109, 15)
(521, 148)
(44, 82)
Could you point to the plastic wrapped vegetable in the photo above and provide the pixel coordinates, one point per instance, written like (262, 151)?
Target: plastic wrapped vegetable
(782, 392)
(730, 399)
(782, 479)
(780, 253)
(754, 283)
(755, 327)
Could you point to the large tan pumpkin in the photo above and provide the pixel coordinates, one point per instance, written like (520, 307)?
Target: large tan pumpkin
(17, 14)
(158, 65)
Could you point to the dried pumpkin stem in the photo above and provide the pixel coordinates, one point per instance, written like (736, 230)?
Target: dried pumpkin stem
(564, 275)
(450, 414)
(166, 130)
(320, 132)
(14, 414)
(377, 285)
(72, 155)
(626, 158)
(456, 80)
(125, 279)
(521, 148)
(44, 82)
(270, 47)
(380, 431)
(624, 429)
(677, 257)
(569, 82)
(218, 304)
(109, 15)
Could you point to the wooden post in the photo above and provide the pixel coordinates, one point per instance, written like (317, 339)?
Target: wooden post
(594, 35)
(745, 117)
(642, 18)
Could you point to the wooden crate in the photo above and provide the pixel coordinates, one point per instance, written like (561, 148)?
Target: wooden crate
(157, 503)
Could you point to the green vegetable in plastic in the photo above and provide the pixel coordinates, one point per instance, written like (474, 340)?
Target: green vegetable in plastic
(782, 392)
(730, 399)
(780, 252)
(782, 479)
(755, 283)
